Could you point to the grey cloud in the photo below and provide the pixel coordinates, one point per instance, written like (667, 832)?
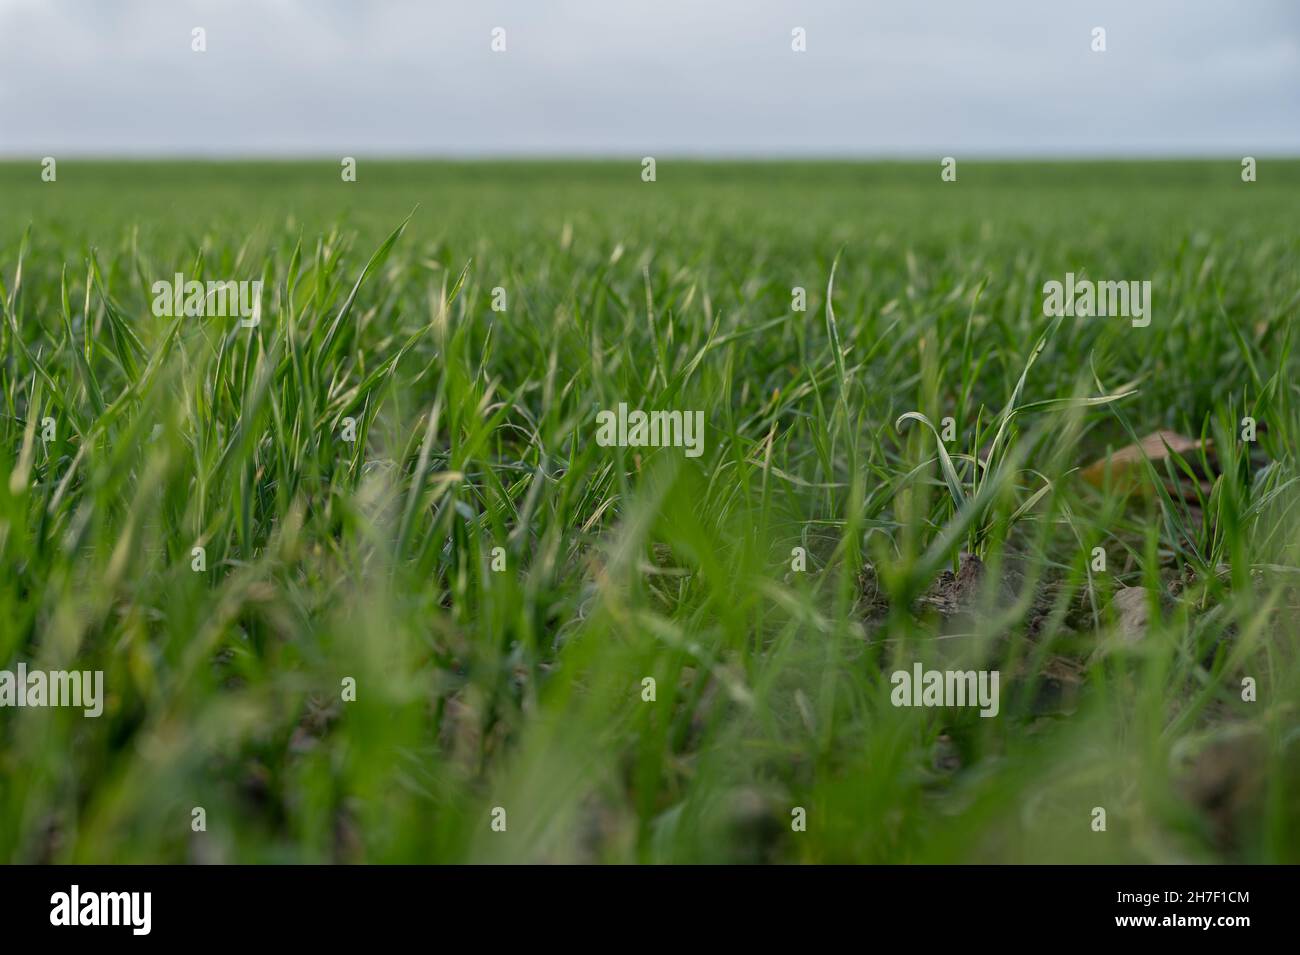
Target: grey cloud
(671, 76)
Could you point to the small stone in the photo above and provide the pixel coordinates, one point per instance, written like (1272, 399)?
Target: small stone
(1132, 609)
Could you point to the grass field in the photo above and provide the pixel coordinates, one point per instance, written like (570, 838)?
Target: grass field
(371, 560)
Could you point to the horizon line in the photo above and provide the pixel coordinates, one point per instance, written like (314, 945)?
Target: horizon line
(746, 157)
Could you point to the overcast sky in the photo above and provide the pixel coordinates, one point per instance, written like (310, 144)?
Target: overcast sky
(616, 77)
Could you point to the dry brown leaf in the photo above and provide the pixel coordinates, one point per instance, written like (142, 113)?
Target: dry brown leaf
(1125, 465)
